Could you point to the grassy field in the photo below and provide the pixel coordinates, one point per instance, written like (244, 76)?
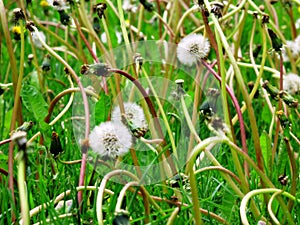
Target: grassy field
(149, 112)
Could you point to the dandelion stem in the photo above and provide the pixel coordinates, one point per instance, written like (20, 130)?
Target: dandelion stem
(293, 172)
(251, 194)
(144, 195)
(86, 110)
(22, 188)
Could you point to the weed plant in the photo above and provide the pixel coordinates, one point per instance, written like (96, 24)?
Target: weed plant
(149, 112)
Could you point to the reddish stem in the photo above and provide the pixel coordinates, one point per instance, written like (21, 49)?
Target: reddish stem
(236, 105)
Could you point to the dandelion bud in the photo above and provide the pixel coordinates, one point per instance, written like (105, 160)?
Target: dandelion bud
(289, 99)
(273, 91)
(26, 126)
(96, 24)
(98, 69)
(276, 42)
(284, 121)
(208, 107)
(147, 5)
(64, 17)
(46, 66)
(121, 218)
(19, 137)
(45, 6)
(180, 90)
(138, 61)
(55, 146)
(30, 57)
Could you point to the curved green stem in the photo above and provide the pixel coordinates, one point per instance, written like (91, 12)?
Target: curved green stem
(248, 196)
(145, 199)
(22, 188)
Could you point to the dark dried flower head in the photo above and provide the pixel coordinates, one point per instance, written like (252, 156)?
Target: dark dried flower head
(273, 1)
(96, 24)
(177, 180)
(276, 42)
(46, 66)
(29, 25)
(217, 8)
(121, 218)
(251, 86)
(265, 19)
(283, 179)
(18, 15)
(99, 9)
(147, 5)
(55, 146)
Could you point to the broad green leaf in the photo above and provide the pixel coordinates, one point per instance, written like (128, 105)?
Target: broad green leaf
(266, 148)
(34, 102)
(102, 108)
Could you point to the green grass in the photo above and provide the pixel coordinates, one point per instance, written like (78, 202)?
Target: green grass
(221, 188)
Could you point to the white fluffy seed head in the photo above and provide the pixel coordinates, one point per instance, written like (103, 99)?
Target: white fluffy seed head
(36, 41)
(133, 113)
(191, 48)
(291, 83)
(111, 139)
(294, 47)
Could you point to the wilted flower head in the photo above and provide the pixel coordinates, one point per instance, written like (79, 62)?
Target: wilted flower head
(291, 83)
(110, 139)
(134, 115)
(36, 41)
(191, 48)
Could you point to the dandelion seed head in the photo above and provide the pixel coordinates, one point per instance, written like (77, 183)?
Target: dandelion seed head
(294, 47)
(191, 48)
(36, 41)
(133, 113)
(291, 83)
(110, 139)
(129, 7)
